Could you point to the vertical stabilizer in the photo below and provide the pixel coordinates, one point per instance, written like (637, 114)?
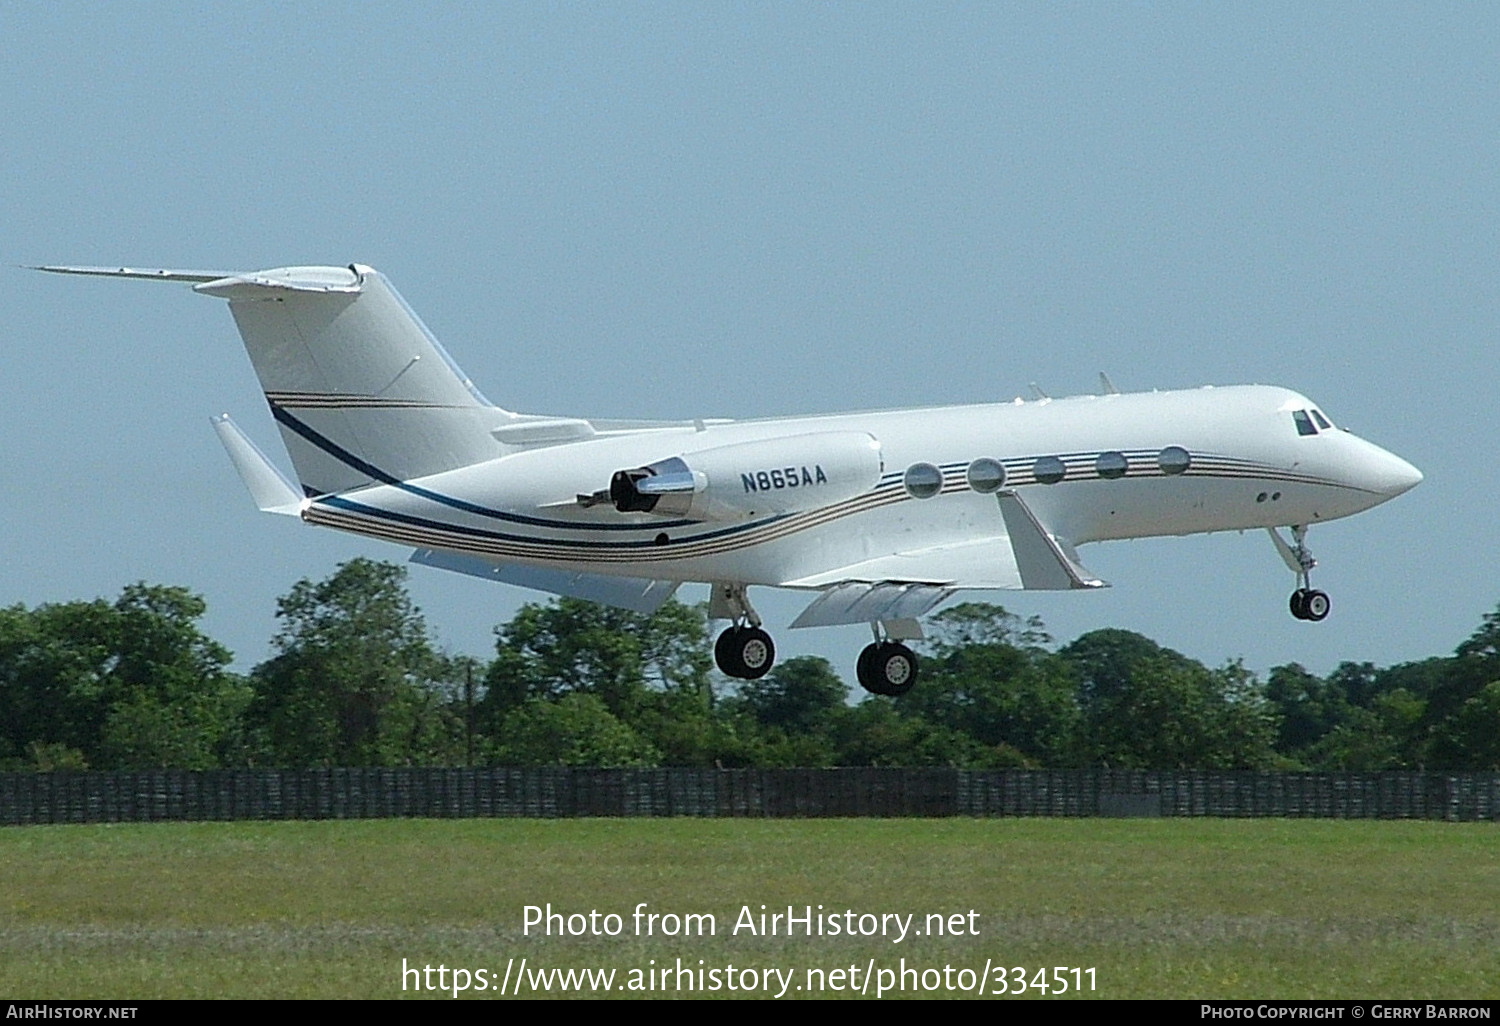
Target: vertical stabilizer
(360, 389)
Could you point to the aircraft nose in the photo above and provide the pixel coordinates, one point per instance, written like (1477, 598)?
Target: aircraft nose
(1391, 475)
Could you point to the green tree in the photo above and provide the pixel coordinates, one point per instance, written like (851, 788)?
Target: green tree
(569, 645)
(1448, 715)
(1307, 708)
(1470, 738)
(355, 680)
(650, 672)
(876, 733)
(785, 718)
(983, 623)
(1148, 707)
(1004, 697)
(800, 694)
(128, 684)
(575, 730)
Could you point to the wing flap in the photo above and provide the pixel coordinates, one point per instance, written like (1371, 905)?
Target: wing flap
(859, 602)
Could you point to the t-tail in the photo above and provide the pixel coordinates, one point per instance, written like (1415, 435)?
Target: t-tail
(360, 389)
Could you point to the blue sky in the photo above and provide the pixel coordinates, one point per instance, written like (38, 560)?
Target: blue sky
(681, 210)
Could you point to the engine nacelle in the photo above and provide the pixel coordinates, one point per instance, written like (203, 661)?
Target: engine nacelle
(753, 479)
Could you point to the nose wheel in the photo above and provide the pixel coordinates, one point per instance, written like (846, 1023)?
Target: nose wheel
(1309, 604)
(1306, 603)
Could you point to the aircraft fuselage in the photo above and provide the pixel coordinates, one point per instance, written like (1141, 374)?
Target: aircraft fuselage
(1247, 467)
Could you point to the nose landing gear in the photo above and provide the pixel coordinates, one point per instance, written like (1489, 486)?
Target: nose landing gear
(1306, 603)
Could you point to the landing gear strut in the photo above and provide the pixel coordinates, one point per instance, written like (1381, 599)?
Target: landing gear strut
(1306, 603)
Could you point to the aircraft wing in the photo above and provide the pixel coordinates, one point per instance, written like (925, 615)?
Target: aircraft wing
(636, 594)
(986, 563)
(1027, 556)
(905, 585)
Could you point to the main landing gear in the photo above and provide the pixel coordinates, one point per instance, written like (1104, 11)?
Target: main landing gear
(743, 650)
(746, 652)
(1306, 603)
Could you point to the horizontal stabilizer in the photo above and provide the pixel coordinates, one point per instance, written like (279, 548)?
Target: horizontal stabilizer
(1043, 563)
(136, 272)
(270, 489)
(859, 602)
(637, 594)
(233, 284)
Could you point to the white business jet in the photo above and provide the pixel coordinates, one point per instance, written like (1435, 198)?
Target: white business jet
(881, 516)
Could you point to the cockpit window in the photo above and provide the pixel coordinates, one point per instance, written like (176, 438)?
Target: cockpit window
(1322, 420)
(1304, 423)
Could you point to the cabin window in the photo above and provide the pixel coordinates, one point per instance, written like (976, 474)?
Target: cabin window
(1322, 420)
(986, 476)
(923, 480)
(1174, 459)
(1111, 465)
(1304, 423)
(1049, 470)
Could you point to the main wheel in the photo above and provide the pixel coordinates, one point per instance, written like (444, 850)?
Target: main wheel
(744, 652)
(887, 668)
(1315, 606)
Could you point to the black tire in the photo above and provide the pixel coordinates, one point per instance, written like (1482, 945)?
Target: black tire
(887, 668)
(864, 669)
(754, 652)
(726, 653)
(1298, 603)
(1315, 606)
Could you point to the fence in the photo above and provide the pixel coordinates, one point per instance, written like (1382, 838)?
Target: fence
(559, 792)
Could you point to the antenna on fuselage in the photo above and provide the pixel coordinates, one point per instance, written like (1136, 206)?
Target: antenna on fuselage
(1039, 393)
(1107, 385)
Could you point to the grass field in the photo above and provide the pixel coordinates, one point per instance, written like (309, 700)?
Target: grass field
(1159, 908)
